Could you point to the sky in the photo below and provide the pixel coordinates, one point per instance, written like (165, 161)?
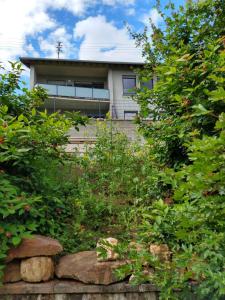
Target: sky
(88, 29)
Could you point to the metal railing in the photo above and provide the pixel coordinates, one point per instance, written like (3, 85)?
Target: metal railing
(76, 92)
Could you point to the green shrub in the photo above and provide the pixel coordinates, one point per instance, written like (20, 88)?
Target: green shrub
(30, 145)
(187, 106)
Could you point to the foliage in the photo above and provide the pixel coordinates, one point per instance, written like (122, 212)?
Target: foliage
(187, 134)
(114, 178)
(188, 61)
(119, 168)
(76, 199)
(193, 225)
(168, 190)
(31, 142)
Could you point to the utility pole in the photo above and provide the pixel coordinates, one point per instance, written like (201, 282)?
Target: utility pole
(59, 48)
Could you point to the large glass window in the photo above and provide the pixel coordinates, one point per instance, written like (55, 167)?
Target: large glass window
(129, 84)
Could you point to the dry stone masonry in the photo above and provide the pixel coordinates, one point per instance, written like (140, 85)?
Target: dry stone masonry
(36, 246)
(84, 266)
(37, 269)
(34, 262)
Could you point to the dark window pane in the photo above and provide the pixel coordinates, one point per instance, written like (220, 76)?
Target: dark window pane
(129, 83)
(148, 84)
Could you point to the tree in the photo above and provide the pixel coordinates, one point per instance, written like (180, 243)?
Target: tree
(187, 58)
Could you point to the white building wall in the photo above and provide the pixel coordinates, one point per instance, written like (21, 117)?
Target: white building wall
(33, 77)
(121, 102)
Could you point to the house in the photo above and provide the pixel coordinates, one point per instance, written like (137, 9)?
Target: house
(94, 88)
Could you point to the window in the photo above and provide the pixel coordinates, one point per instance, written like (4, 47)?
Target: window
(148, 84)
(129, 83)
(95, 85)
(130, 115)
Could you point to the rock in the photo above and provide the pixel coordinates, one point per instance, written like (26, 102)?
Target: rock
(107, 247)
(160, 251)
(83, 266)
(36, 246)
(12, 272)
(37, 269)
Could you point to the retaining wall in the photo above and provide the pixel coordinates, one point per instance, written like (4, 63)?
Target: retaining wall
(72, 290)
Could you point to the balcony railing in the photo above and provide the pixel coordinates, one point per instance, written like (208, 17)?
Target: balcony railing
(76, 92)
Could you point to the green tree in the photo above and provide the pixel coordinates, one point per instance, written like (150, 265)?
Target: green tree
(187, 59)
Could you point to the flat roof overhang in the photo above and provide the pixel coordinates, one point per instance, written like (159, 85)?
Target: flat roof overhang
(29, 61)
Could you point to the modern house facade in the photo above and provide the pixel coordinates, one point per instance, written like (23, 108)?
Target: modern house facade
(95, 88)
(92, 87)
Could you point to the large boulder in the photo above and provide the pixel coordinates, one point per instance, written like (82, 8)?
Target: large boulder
(37, 269)
(106, 249)
(12, 272)
(37, 245)
(83, 266)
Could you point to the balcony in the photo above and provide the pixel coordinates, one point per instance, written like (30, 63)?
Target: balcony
(76, 92)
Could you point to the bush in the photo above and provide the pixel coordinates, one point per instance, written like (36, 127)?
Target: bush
(187, 106)
(30, 143)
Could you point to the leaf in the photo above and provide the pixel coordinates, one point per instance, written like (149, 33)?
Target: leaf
(23, 150)
(16, 240)
(185, 57)
(200, 110)
(217, 95)
(33, 112)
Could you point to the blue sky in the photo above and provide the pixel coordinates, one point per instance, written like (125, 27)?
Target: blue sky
(88, 29)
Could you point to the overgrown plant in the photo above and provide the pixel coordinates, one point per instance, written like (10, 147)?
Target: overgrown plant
(187, 106)
(116, 176)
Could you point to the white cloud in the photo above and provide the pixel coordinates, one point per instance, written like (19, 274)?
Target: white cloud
(30, 51)
(48, 45)
(20, 19)
(118, 2)
(102, 40)
(153, 15)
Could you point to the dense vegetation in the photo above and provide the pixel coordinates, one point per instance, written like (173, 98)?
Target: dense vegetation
(30, 152)
(170, 190)
(76, 199)
(187, 106)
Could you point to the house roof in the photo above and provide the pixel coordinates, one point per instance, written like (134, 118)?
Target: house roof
(28, 61)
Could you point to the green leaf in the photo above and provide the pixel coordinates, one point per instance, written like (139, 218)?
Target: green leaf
(200, 110)
(16, 240)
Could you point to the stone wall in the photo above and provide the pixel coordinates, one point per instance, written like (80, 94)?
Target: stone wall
(71, 290)
(36, 270)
